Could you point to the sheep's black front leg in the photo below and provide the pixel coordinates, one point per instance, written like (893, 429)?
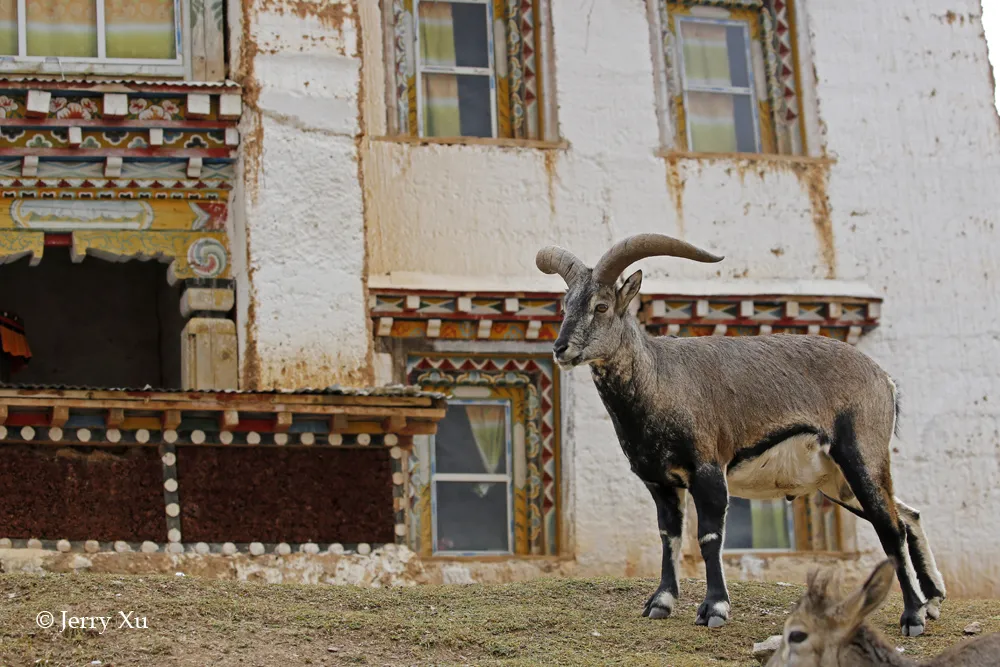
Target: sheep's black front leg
(670, 517)
(711, 500)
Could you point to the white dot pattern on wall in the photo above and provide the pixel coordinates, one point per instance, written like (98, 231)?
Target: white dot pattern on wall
(55, 434)
(83, 435)
(173, 509)
(170, 436)
(364, 549)
(281, 438)
(149, 547)
(169, 459)
(256, 548)
(226, 437)
(364, 439)
(198, 437)
(174, 535)
(390, 439)
(336, 439)
(113, 435)
(34, 543)
(142, 436)
(28, 433)
(170, 485)
(63, 545)
(229, 548)
(253, 438)
(283, 549)
(307, 438)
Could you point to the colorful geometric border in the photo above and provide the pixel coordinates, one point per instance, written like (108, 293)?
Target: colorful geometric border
(537, 502)
(523, 316)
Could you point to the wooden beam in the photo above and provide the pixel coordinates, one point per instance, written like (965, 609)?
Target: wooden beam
(419, 428)
(229, 419)
(171, 419)
(3, 415)
(282, 422)
(338, 423)
(115, 418)
(394, 423)
(60, 415)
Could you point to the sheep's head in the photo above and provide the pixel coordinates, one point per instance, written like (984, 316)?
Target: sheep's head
(823, 621)
(595, 305)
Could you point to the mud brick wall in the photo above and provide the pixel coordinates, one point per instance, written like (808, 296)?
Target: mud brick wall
(264, 494)
(84, 493)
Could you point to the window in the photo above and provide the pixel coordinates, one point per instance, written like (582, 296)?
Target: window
(759, 525)
(804, 524)
(488, 481)
(142, 37)
(471, 478)
(731, 75)
(466, 68)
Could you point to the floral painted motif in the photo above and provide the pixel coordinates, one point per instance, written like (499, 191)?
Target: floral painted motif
(7, 106)
(85, 109)
(146, 110)
(207, 258)
(211, 216)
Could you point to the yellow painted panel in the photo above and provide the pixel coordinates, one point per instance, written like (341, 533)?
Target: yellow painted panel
(195, 254)
(61, 215)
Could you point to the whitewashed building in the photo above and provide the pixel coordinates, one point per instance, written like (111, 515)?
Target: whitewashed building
(400, 163)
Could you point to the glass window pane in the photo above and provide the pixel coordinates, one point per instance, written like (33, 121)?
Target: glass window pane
(8, 29)
(457, 106)
(472, 439)
(453, 34)
(472, 516)
(721, 123)
(715, 55)
(63, 28)
(758, 524)
(140, 29)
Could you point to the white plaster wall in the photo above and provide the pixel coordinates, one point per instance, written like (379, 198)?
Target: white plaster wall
(300, 210)
(905, 108)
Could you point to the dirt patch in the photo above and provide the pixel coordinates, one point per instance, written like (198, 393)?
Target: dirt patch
(193, 621)
(105, 494)
(263, 494)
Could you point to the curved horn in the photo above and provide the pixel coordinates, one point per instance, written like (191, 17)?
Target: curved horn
(640, 246)
(554, 259)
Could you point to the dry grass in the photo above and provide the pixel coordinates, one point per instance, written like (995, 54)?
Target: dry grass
(552, 622)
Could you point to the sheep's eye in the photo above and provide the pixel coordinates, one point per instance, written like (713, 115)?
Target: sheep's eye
(797, 637)
(601, 308)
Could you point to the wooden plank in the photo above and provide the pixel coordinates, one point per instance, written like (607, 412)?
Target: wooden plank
(394, 423)
(214, 45)
(229, 419)
(282, 422)
(108, 124)
(419, 428)
(215, 406)
(338, 424)
(171, 419)
(3, 415)
(232, 399)
(198, 60)
(214, 153)
(115, 418)
(60, 415)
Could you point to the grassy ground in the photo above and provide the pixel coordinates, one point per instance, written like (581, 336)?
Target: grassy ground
(553, 622)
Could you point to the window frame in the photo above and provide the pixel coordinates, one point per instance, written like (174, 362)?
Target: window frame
(732, 91)
(100, 65)
(523, 97)
(507, 477)
(793, 538)
(420, 69)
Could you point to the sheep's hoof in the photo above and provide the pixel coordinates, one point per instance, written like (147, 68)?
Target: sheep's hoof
(659, 605)
(911, 623)
(714, 614)
(934, 608)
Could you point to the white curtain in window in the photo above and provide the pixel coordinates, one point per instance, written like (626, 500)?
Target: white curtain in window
(489, 430)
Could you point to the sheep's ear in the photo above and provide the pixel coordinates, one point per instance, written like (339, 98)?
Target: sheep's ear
(628, 292)
(869, 597)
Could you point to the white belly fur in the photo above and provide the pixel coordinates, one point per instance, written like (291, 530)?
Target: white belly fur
(793, 467)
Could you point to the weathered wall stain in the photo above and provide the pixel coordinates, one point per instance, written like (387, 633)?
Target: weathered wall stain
(367, 375)
(551, 178)
(330, 14)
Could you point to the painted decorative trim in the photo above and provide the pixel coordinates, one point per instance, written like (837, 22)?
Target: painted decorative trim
(536, 486)
(526, 316)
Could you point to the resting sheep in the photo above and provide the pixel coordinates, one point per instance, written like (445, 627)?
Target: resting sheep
(824, 630)
(759, 417)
